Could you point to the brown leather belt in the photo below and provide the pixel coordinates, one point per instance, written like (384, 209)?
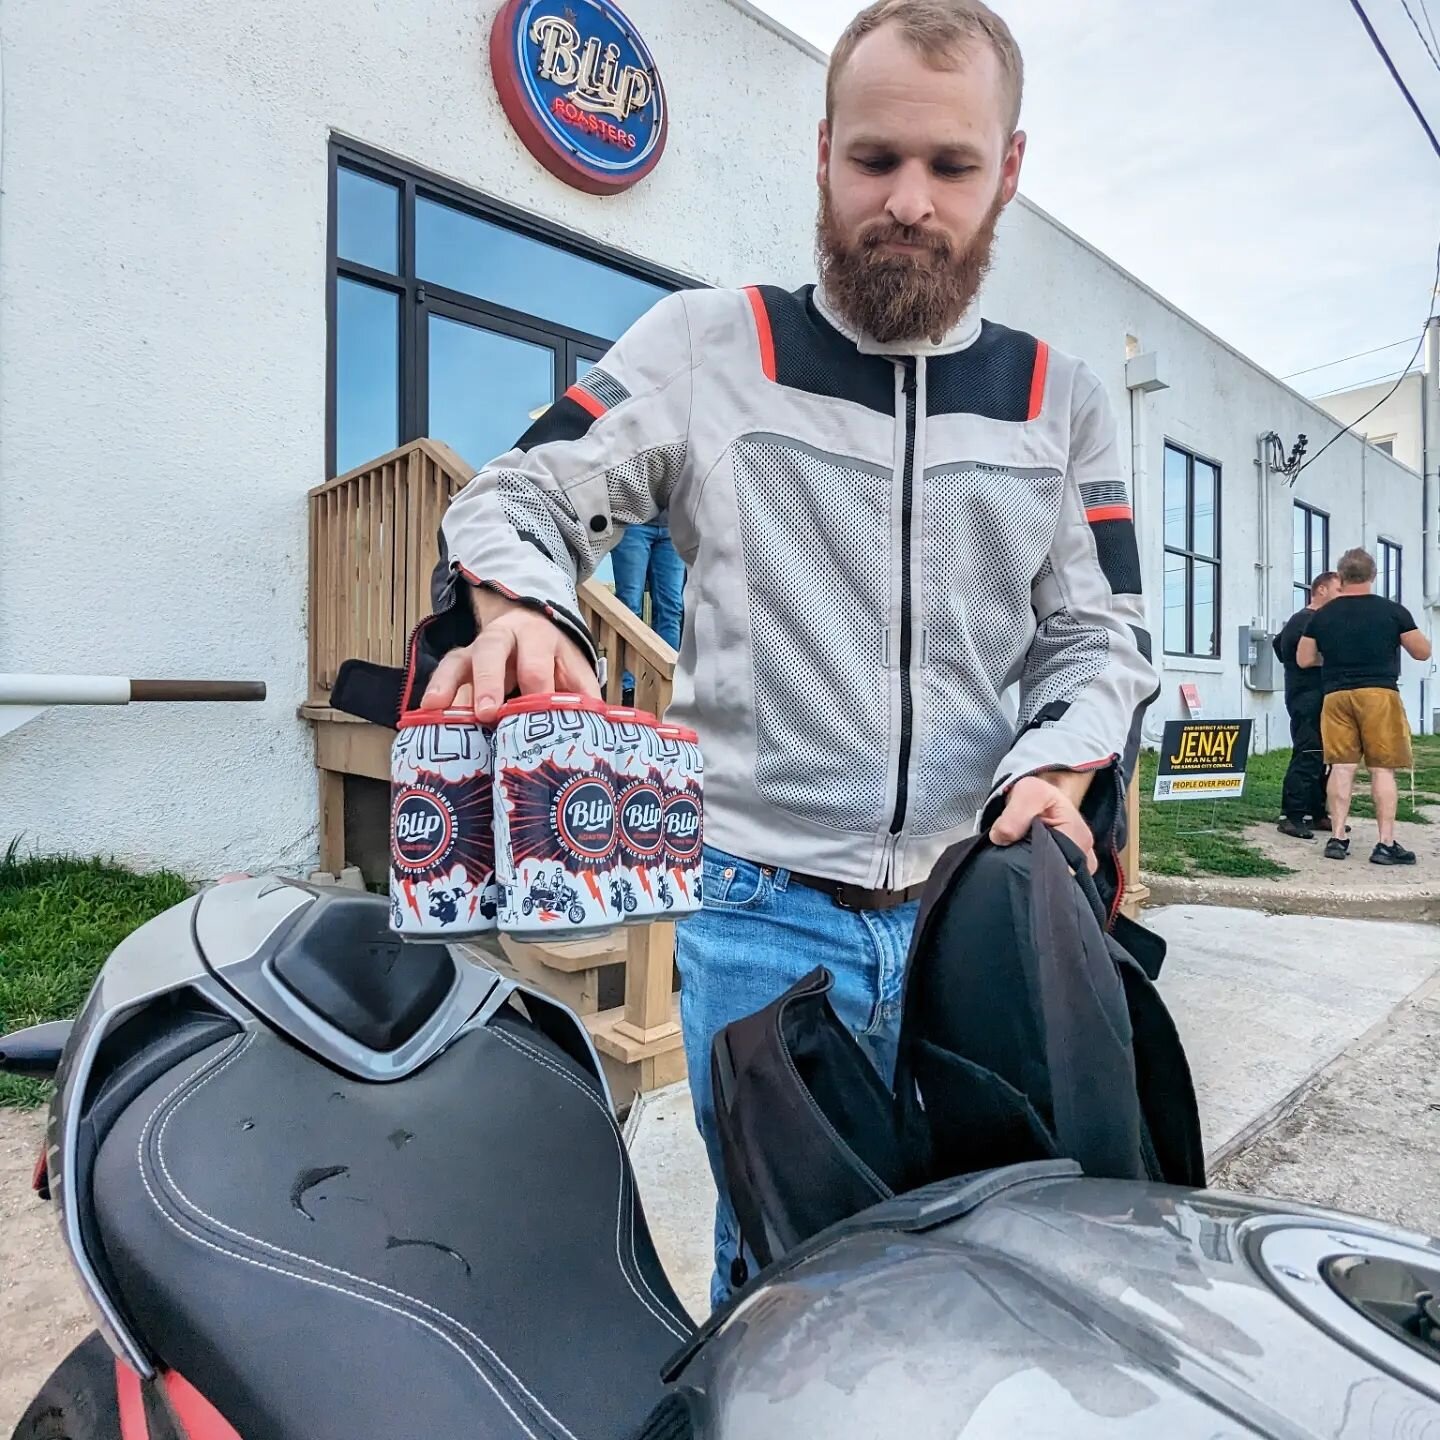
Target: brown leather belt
(856, 897)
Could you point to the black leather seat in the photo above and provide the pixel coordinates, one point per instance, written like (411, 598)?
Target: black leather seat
(461, 1253)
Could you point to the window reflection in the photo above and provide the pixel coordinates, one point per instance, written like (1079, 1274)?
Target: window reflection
(367, 220)
(367, 373)
(1204, 616)
(484, 386)
(1203, 535)
(464, 252)
(1176, 500)
(1176, 641)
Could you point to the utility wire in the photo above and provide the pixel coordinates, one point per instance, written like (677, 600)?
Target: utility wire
(1434, 58)
(1426, 13)
(1358, 355)
(1384, 54)
(1350, 428)
(1379, 379)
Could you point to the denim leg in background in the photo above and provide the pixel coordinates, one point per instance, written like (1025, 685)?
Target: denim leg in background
(756, 936)
(633, 562)
(667, 589)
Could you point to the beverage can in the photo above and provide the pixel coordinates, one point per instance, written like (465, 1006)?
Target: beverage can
(555, 828)
(640, 813)
(442, 847)
(682, 769)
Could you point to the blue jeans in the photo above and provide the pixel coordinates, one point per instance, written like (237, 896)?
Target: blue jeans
(757, 934)
(644, 559)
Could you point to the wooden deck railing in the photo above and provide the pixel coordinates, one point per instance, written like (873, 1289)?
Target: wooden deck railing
(373, 549)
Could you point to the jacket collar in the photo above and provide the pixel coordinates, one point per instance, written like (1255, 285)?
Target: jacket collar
(965, 333)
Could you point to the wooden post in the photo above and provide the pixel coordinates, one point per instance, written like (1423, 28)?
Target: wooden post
(649, 982)
(1136, 893)
(332, 821)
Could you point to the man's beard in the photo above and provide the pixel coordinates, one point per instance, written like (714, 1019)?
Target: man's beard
(890, 296)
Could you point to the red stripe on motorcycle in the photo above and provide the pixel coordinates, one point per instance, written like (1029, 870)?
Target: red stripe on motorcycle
(202, 1421)
(133, 1425)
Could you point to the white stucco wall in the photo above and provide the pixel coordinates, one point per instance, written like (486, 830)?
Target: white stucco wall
(1398, 416)
(162, 359)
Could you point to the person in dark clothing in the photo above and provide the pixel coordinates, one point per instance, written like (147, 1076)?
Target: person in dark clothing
(1303, 795)
(1357, 640)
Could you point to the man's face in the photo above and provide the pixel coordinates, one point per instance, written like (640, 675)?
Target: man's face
(1325, 594)
(915, 167)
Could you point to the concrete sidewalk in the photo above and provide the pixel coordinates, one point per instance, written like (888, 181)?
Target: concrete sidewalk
(1263, 1003)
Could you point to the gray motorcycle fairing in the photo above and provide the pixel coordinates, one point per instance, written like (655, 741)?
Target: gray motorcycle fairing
(1076, 1308)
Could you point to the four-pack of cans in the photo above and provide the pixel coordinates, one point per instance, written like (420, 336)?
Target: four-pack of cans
(569, 818)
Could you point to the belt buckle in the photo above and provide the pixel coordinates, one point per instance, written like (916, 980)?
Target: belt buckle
(846, 896)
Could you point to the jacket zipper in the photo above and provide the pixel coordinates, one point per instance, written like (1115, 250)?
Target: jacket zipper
(907, 506)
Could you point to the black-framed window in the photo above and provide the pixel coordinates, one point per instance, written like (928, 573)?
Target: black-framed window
(1192, 554)
(1388, 577)
(454, 316)
(1310, 546)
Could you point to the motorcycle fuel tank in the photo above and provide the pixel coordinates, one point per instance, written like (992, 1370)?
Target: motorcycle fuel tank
(1086, 1308)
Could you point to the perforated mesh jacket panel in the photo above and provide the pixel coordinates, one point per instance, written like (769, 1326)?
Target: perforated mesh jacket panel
(987, 536)
(633, 483)
(818, 542)
(1066, 656)
(531, 516)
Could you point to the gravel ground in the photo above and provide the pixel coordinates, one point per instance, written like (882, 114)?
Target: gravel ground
(42, 1315)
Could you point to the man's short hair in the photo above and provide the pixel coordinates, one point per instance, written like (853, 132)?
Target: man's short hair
(1326, 577)
(1356, 567)
(942, 31)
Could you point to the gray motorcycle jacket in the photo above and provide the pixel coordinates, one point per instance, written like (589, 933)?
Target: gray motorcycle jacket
(913, 575)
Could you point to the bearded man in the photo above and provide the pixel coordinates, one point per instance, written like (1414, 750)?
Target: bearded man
(913, 604)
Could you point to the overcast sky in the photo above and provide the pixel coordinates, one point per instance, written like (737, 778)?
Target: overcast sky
(1251, 160)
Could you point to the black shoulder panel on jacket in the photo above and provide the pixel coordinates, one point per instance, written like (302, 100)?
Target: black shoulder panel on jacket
(811, 355)
(1118, 553)
(1001, 376)
(566, 419)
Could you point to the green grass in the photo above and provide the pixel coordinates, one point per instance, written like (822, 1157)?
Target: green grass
(59, 919)
(1165, 848)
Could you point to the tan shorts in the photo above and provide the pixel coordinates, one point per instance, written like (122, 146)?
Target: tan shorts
(1366, 724)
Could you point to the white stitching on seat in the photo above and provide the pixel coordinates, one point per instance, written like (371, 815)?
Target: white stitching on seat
(541, 1058)
(320, 1264)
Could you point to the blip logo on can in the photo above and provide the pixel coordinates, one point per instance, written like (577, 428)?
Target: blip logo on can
(682, 826)
(422, 828)
(641, 813)
(585, 817)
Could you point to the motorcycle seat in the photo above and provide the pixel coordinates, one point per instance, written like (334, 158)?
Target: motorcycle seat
(461, 1253)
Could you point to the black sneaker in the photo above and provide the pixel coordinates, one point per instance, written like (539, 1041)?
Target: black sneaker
(1392, 854)
(1296, 829)
(1337, 849)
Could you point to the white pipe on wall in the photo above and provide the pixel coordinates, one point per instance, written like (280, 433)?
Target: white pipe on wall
(64, 690)
(1430, 462)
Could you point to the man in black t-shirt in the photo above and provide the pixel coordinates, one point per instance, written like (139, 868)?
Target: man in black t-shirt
(1303, 793)
(1357, 639)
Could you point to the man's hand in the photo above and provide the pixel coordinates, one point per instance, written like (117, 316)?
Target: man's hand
(1053, 798)
(517, 649)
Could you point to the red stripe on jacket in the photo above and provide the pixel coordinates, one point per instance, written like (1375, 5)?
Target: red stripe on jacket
(1037, 379)
(762, 329)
